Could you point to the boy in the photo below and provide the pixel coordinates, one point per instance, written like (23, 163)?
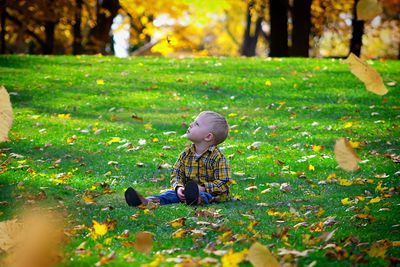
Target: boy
(201, 174)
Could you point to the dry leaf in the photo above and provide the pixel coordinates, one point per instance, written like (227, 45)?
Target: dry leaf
(370, 77)
(260, 256)
(368, 9)
(8, 231)
(254, 146)
(6, 116)
(345, 155)
(144, 242)
(38, 244)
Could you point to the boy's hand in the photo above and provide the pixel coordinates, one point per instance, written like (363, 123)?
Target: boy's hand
(181, 193)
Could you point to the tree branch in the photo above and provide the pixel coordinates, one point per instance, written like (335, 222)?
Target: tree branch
(21, 25)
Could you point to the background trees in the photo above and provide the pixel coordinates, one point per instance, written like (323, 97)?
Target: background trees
(226, 27)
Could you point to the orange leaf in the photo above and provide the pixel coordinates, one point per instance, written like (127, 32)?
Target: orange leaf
(260, 256)
(144, 242)
(345, 155)
(370, 77)
(6, 115)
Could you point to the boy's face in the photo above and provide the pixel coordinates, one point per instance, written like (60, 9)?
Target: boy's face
(199, 129)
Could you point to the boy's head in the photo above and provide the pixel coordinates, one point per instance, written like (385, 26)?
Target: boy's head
(210, 127)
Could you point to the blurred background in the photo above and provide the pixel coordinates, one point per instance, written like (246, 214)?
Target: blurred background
(276, 28)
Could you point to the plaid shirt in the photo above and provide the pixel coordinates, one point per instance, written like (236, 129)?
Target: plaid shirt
(210, 170)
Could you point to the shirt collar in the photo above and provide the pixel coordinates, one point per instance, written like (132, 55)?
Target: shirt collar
(210, 149)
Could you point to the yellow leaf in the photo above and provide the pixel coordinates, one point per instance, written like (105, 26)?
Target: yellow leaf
(251, 225)
(99, 229)
(317, 148)
(144, 242)
(375, 200)
(6, 114)
(379, 188)
(178, 222)
(100, 82)
(268, 83)
(379, 248)
(148, 126)
(345, 155)
(370, 77)
(179, 233)
(368, 9)
(317, 227)
(261, 256)
(232, 115)
(114, 140)
(354, 144)
(345, 182)
(311, 167)
(346, 201)
(348, 124)
(232, 259)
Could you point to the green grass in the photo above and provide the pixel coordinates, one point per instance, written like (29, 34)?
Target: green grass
(167, 94)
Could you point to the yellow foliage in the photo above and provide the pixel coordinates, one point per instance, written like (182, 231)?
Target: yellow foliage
(233, 259)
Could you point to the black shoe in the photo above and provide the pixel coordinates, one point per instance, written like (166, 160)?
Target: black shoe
(191, 193)
(132, 197)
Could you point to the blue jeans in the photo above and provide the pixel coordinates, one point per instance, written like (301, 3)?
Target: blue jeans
(170, 197)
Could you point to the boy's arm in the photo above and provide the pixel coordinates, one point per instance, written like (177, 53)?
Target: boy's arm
(222, 178)
(178, 173)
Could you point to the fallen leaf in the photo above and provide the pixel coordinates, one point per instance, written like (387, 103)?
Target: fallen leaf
(144, 242)
(379, 248)
(99, 229)
(233, 259)
(370, 77)
(254, 146)
(8, 231)
(345, 155)
(368, 9)
(6, 114)
(261, 256)
(178, 222)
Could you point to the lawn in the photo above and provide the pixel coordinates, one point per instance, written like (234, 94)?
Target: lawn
(87, 127)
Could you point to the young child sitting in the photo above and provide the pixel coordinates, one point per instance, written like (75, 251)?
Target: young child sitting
(201, 174)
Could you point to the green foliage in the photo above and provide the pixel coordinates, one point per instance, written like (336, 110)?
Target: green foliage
(286, 104)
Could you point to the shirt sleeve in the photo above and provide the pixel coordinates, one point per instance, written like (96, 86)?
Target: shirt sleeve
(222, 178)
(178, 172)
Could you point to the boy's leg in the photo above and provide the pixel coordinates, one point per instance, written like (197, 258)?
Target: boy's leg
(168, 197)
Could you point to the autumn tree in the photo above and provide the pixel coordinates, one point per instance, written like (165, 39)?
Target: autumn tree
(99, 35)
(254, 18)
(357, 32)
(278, 13)
(301, 16)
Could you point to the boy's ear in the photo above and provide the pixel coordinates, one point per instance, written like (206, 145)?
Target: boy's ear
(209, 137)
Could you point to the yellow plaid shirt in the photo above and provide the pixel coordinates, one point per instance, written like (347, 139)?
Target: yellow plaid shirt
(210, 170)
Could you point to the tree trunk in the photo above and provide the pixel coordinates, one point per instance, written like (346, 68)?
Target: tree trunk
(250, 38)
(357, 33)
(279, 33)
(99, 36)
(77, 44)
(3, 26)
(301, 28)
(49, 29)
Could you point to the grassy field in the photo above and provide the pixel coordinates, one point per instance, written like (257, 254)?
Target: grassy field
(85, 128)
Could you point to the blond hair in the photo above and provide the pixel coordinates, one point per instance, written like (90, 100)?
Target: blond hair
(219, 126)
